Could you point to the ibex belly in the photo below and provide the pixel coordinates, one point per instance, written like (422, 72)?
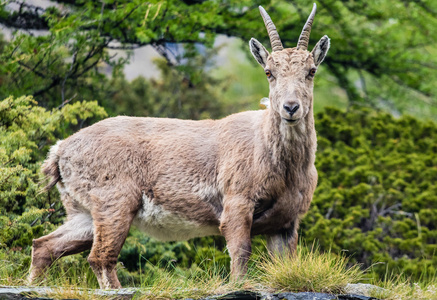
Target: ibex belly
(167, 225)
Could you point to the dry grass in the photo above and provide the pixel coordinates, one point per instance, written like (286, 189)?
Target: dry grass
(401, 288)
(308, 270)
(195, 284)
(78, 282)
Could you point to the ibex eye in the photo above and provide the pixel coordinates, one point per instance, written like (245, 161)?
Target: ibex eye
(312, 72)
(268, 73)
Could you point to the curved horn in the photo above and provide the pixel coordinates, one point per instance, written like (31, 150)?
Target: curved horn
(305, 34)
(275, 40)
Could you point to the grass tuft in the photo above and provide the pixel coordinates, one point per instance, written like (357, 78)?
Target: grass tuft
(308, 270)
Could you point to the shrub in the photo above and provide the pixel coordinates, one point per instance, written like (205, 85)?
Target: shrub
(26, 132)
(376, 196)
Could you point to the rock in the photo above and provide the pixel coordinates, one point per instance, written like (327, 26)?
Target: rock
(362, 289)
(26, 293)
(21, 293)
(288, 296)
(237, 295)
(306, 296)
(248, 295)
(11, 296)
(355, 297)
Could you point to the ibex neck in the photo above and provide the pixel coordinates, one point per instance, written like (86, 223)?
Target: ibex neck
(291, 144)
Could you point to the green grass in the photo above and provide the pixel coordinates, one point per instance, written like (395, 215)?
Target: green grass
(308, 270)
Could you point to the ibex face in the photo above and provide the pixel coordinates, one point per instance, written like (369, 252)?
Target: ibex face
(290, 72)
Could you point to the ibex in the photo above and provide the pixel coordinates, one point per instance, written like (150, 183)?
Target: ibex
(247, 174)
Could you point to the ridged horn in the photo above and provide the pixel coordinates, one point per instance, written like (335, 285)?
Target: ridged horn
(305, 34)
(275, 40)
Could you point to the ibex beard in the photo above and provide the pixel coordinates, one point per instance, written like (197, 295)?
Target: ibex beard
(247, 174)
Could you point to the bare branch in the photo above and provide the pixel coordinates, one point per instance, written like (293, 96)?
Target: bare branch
(66, 76)
(32, 70)
(66, 101)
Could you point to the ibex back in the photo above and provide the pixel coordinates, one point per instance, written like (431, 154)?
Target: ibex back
(247, 174)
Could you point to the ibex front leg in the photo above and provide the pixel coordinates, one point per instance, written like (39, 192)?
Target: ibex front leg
(235, 226)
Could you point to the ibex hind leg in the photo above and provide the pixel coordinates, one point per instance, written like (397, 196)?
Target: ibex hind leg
(75, 236)
(112, 219)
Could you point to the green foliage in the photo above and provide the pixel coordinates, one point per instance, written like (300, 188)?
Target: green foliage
(26, 132)
(383, 53)
(174, 94)
(376, 197)
(70, 60)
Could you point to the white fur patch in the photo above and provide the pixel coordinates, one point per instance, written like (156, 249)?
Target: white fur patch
(165, 225)
(79, 227)
(205, 191)
(105, 279)
(54, 149)
(265, 101)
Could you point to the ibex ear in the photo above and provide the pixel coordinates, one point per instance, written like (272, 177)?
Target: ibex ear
(259, 52)
(320, 50)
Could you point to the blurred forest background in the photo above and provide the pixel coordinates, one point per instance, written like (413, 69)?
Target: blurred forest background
(63, 68)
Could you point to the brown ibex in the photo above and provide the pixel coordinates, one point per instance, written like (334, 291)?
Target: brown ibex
(247, 174)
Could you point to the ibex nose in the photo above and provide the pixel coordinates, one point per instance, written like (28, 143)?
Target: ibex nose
(291, 108)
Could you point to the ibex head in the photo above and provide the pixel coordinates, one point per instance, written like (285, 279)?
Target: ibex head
(290, 72)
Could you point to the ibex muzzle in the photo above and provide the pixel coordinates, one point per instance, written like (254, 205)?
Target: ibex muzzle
(291, 108)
